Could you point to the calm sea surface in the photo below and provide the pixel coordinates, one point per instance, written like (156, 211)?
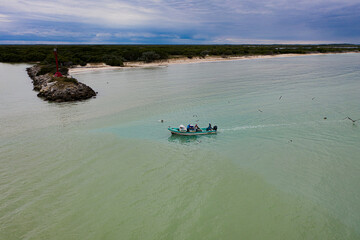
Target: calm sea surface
(107, 168)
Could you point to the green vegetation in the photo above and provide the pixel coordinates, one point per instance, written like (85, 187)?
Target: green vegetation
(116, 55)
(51, 68)
(149, 56)
(64, 80)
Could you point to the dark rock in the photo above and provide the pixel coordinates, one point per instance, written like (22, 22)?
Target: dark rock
(59, 89)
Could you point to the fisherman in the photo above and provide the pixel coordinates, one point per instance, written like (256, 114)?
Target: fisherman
(209, 128)
(197, 128)
(189, 127)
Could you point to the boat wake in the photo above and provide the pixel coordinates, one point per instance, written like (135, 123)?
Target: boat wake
(240, 128)
(254, 126)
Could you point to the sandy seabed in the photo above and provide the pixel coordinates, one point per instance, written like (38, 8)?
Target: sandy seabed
(182, 60)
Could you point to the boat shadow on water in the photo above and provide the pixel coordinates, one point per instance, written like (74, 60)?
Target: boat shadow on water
(189, 140)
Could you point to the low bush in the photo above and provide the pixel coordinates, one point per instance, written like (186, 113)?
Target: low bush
(115, 55)
(64, 79)
(47, 69)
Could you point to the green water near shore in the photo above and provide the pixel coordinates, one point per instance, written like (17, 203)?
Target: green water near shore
(108, 169)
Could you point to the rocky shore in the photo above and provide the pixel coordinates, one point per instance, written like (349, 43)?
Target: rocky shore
(58, 89)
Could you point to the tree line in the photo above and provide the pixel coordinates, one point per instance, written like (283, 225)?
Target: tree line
(116, 55)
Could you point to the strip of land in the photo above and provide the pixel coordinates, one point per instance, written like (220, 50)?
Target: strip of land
(181, 60)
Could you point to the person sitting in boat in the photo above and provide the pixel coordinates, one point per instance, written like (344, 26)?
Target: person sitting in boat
(197, 128)
(190, 128)
(182, 128)
(209, 128)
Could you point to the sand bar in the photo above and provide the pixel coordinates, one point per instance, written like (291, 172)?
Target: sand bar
(181, 60)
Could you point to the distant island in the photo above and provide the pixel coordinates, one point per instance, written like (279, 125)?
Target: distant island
(70, 56)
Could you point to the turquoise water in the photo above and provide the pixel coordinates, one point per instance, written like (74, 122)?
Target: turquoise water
(107, 168)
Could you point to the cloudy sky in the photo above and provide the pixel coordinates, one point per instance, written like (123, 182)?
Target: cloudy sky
(179, 21)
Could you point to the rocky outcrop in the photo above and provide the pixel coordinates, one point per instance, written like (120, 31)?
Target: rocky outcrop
(59, 89)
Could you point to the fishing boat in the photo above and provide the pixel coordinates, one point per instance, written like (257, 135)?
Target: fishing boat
(182, 130)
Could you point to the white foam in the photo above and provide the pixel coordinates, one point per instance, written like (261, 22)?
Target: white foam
(239, 128)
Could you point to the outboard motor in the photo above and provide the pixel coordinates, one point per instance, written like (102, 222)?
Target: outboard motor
(215, 128)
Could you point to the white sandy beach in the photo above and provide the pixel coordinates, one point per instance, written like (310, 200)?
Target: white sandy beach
(182, 60)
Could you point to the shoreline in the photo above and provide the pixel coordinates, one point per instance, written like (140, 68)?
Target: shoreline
(184, 60)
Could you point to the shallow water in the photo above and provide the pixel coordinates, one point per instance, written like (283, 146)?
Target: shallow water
(107, 168)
